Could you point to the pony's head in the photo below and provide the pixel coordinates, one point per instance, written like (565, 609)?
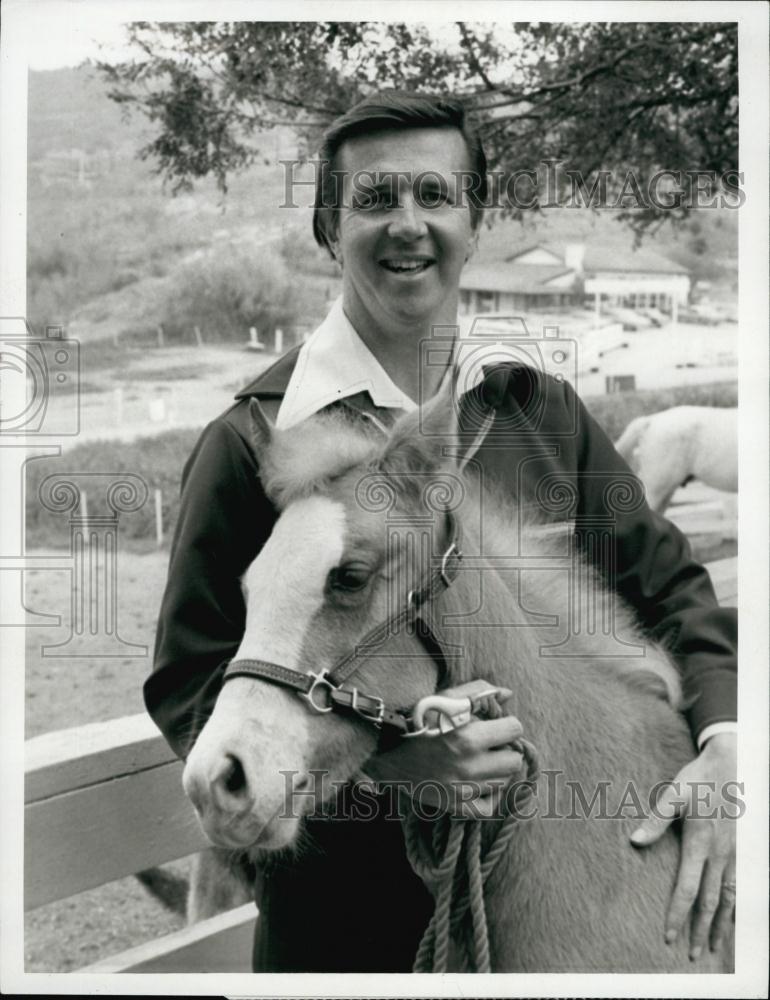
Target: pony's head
(362, 520)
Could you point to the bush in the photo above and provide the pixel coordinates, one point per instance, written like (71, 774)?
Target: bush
(226, 293)
(158, 460)
(615, 412)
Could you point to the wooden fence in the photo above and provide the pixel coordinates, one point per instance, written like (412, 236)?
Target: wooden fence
(105, 800)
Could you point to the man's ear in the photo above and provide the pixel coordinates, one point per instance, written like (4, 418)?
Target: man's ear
(261, 430)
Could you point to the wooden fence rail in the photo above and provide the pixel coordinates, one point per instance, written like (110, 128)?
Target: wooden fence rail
(105, 800)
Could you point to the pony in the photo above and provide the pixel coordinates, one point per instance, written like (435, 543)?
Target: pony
(668, 449)
(363, 515)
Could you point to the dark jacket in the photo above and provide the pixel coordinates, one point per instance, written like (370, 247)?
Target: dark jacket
(224, 520)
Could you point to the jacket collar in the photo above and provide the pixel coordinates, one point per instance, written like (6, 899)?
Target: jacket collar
(272, 382)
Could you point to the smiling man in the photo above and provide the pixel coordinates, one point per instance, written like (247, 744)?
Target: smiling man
(402, 225)
(402, 249)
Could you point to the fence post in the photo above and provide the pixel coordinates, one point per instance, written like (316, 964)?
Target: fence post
(198, 335)
(279, 341)
(159, 517)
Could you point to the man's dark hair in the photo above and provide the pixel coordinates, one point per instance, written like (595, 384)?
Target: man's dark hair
(383, 112)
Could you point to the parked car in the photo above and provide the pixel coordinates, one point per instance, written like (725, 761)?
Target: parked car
(631, 319)
(658, 318)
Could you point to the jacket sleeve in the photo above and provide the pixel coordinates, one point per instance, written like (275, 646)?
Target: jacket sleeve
(655, 572)
(224, 519)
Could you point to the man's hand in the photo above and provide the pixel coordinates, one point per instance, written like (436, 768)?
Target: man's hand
(473, 764)
(707, 865)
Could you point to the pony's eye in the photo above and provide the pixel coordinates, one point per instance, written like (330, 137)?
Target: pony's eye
(353, 576)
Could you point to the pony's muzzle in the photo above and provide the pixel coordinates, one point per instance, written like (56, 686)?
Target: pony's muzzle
(225, 789)
(224, 796)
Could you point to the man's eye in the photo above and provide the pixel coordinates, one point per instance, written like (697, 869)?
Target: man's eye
(349, 578)
(432, 195)
(375, 199)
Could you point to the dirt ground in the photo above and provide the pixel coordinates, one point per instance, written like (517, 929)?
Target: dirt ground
(61, 693)
(144, 393)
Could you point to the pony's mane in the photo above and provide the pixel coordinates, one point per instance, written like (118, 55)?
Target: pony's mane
(307, 458)
(304, 459)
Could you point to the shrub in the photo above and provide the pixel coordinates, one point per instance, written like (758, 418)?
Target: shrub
(158, 460)
(615, 412)
(226, 293)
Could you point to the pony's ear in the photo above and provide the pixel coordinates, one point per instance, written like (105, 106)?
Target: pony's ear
(261, 429)
(420, 439)
(438, 418)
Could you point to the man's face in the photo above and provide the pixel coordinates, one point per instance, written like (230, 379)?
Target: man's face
(403, 246)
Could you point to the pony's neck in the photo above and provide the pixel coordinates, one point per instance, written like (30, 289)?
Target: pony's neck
(552, 697)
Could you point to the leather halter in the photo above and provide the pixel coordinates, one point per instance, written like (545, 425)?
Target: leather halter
(324, 690)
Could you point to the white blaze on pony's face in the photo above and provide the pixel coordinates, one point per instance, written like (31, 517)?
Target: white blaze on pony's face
(228, 776)
(285, 584)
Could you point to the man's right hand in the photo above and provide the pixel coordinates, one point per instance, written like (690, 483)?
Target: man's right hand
(472, 764)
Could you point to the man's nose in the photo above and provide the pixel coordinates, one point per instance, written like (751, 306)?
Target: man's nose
(407, 221)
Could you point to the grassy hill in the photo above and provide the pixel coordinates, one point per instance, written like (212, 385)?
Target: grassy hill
(110, 248)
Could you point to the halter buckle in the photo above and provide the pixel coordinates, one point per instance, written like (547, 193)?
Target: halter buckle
(375, 715)
(319, 680)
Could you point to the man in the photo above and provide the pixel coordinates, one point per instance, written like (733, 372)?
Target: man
(350, 902)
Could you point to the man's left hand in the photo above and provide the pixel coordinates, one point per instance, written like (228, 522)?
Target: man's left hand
(707, 864)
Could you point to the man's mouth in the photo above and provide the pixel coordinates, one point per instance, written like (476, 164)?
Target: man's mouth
(410, 266)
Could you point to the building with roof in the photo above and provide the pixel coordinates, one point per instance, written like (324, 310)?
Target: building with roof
(547, 278)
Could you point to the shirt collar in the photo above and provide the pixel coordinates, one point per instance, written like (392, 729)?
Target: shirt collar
(333, 364)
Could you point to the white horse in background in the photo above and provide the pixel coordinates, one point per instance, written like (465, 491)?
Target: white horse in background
(668, 449)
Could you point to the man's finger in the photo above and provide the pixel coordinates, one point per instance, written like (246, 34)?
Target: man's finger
(709, 899)
(482, 807)
(503, 763)
(695, 849)
(487, 733)
(670, 804)
(724, 916)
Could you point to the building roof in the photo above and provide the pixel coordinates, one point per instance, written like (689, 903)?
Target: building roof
(645, 260)
(501, 276)
(548, 247)
(608, 256)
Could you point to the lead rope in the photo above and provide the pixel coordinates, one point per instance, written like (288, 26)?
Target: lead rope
(458, 889)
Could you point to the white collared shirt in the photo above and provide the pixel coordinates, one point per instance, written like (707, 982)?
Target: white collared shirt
(332, 364)
(335, 363)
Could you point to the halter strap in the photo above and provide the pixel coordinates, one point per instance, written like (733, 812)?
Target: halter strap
(324, 690)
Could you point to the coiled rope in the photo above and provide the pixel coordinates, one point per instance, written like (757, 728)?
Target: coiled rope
(449, 856)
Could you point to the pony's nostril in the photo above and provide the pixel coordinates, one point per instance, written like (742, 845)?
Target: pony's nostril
(235, 777)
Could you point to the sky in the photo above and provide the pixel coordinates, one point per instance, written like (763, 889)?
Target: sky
(65, 34)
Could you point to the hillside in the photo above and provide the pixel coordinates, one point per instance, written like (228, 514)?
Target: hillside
(109, 248)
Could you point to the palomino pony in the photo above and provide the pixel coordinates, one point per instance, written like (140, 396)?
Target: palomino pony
(364, 521)
(668, 449)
